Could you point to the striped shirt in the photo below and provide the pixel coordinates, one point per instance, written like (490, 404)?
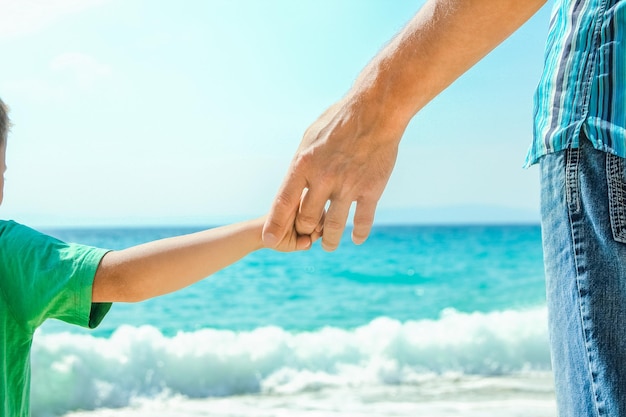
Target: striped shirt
(583, 87)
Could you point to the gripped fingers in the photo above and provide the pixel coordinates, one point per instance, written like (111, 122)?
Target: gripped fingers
(311, 210)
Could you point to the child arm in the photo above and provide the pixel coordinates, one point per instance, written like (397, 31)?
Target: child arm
(167, 265)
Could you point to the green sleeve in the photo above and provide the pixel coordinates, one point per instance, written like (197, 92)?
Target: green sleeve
(42, 277)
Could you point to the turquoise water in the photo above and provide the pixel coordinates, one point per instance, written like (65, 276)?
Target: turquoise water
(414, 307)
(401, 272)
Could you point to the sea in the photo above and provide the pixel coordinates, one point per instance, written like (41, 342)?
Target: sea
(418, 321)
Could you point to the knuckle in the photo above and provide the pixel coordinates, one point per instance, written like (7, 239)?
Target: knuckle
(303, 159)
(325, 179)
(363, 220)
(333, 225)
(369, 195)
(283, 199)
(308, 220)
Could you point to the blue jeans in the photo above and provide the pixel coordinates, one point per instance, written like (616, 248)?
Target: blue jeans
(583, 208)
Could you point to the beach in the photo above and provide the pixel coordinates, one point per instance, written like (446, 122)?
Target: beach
(502, 397)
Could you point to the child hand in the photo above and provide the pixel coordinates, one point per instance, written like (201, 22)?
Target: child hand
(292, 241)
(295, 242)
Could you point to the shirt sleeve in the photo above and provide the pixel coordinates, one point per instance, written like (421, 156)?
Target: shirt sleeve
(42, 277)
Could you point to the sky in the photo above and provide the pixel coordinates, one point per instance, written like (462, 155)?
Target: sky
(137, 112)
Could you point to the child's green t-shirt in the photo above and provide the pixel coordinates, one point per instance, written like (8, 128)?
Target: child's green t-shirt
(40, 277)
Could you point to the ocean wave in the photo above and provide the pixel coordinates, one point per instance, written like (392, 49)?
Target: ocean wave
(72, 371)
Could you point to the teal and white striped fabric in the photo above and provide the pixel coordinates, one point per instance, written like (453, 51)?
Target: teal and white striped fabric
(584, 80)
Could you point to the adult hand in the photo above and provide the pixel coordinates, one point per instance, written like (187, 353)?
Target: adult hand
(346, 156)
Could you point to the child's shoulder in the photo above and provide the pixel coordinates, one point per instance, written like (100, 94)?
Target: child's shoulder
(16, 231)
(7, 224)
(11, 225)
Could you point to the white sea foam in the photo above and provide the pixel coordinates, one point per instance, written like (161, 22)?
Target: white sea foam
(72, 372)
(405, 401)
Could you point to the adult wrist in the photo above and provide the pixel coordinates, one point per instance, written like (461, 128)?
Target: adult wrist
(379, 114)
(385, 97)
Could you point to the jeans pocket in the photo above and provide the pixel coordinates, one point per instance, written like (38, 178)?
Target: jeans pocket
(616, 178)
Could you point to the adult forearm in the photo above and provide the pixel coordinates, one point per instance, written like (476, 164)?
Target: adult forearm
(443, 40)
(166, 265)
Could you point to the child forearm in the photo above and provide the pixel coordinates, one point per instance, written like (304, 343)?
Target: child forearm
(166, 265)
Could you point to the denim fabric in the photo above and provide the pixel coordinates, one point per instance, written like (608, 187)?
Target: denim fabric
(583, 205)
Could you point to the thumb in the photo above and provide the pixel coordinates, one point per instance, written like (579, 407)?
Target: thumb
(282, 215)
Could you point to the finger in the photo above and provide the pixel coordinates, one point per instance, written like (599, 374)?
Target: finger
(363, 220)
(282, 214)
(303, 242)
(317, 233)
(334, 224)
(320, 225)
(311, 210)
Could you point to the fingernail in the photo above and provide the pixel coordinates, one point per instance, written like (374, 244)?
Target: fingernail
(270, 239)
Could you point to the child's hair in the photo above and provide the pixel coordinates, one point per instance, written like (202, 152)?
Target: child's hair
(4, 122)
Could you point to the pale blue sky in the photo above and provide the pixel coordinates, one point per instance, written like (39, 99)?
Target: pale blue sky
(153, 112)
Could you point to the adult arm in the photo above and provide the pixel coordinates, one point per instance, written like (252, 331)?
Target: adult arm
(348, 153)
(166, 265)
